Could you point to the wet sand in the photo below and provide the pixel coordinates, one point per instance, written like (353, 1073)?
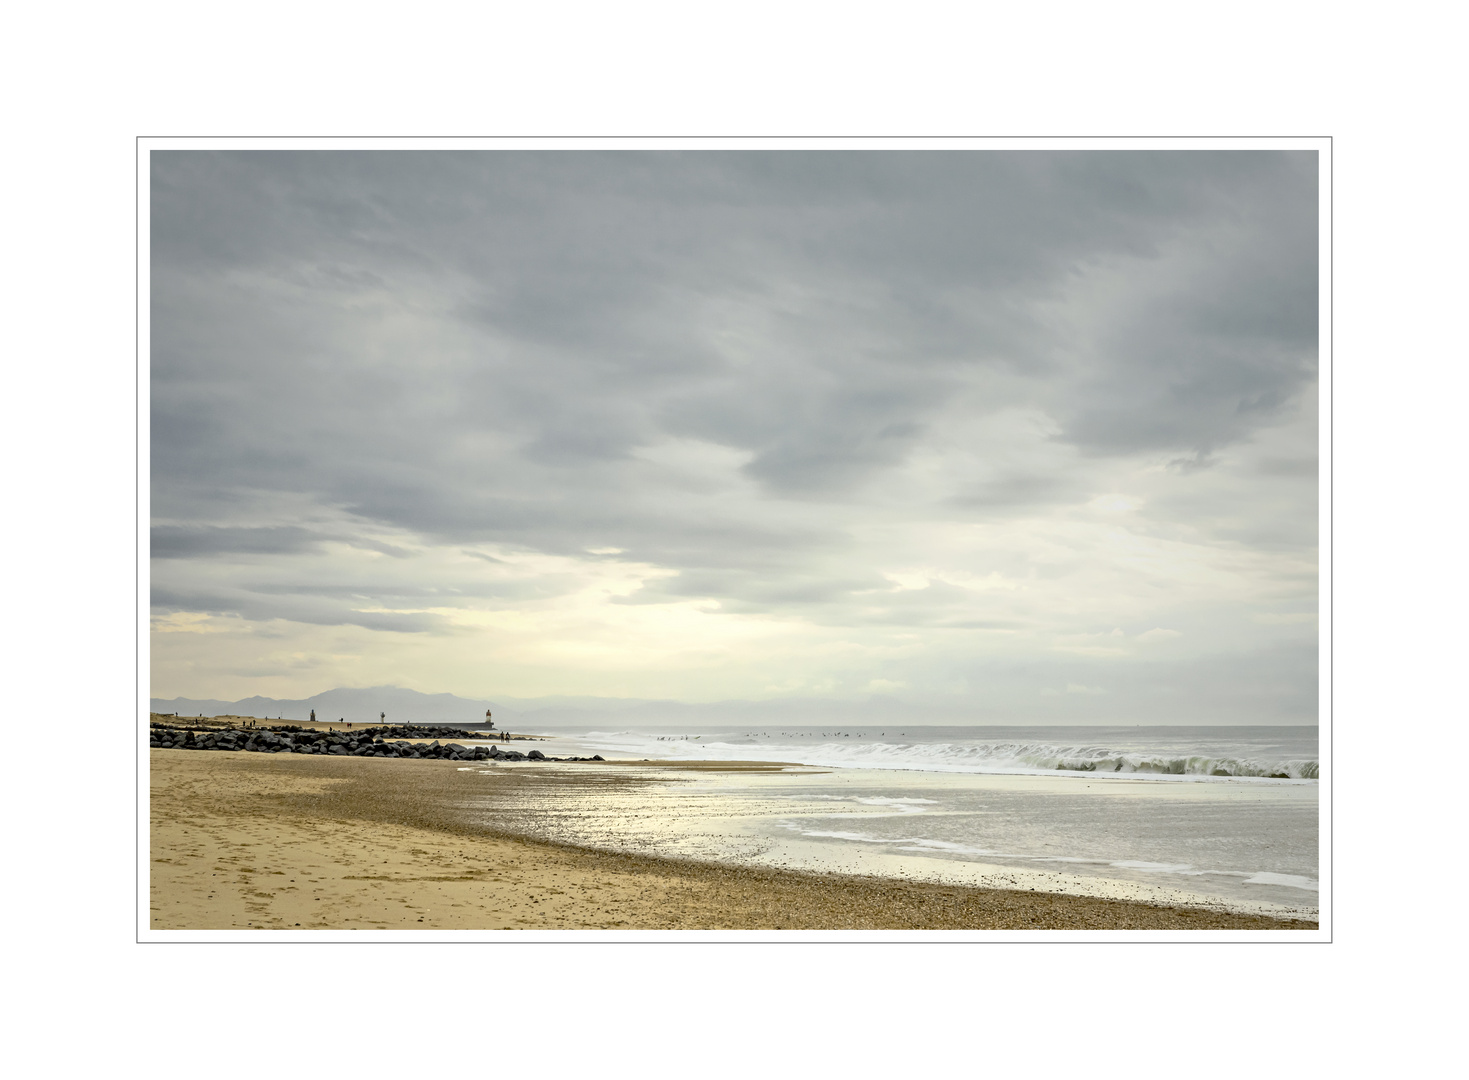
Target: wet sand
(284, 841)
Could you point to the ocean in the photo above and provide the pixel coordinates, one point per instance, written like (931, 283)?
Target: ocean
(1225, 816)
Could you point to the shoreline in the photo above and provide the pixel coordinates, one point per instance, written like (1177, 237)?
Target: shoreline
(261, 841)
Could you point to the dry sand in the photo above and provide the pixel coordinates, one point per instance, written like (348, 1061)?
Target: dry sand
(286, 841)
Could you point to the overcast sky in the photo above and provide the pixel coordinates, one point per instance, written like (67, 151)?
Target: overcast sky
(1008, 436)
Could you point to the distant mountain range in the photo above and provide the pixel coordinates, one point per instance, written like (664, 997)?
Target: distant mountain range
(355, 704)
(361, 705)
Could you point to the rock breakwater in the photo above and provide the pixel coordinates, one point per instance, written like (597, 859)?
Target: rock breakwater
(370, 742)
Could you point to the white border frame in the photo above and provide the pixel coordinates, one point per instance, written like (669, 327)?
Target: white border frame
(1321, 144)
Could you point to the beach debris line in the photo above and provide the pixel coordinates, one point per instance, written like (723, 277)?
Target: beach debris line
(369, 742)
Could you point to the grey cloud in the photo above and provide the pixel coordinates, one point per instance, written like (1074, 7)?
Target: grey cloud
(1007, 492)
(203, 541)
(750, 590)
(475, 346)
(1202, 362)
(314, 610)
(439, 595)
(817, 425)
(590, 269)
(196, 541)
(1280, 466)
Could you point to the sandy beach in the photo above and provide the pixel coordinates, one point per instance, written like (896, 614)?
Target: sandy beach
(279, 841)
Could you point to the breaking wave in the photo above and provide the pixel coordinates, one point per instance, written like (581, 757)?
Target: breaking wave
(963, 756)
(1100, 759)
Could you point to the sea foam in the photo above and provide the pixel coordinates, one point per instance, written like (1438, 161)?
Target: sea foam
(868, 750)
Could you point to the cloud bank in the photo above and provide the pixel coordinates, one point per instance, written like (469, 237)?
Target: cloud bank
(961, 429)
